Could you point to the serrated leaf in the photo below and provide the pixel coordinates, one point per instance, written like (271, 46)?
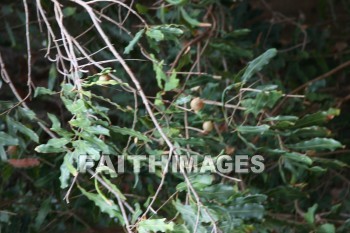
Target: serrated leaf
(7, 140)
(172, 82)
(104, 83)
(42, 213)
(69, 11)
(160, 75)
(176, 2)
(54, 145)
(129, 132)
(316, 144)
(326, 228)
(65, 173)
(85, 148)
(253, 129)
(183, 99)
(247, 211)
(198, 182)
(75, 107)
(155, 225)
(310, 214)
(155, 34)
(42, 91)
(301, 158)
(134, 41)
(56, 126)
(316, 118)
(189, 215)
(114, 187)
(27, 113)
(282, 118)
(312, 132)
(23, 129)
(219, 192)
(193, 22)
(109, 207)
(180, 229)
(98, 129)
(3, 154)
(257, 64)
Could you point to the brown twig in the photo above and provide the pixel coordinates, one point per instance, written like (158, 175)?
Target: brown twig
(305, 85)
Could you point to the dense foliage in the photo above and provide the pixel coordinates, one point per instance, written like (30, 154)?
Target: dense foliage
(172, 78)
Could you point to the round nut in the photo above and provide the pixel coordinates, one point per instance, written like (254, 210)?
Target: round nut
(197, 104)
(104, 77)
(208, 126)
(12, 150)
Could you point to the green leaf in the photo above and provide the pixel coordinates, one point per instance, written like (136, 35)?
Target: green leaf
(326, 228)
(25, 112)
(54, 145)
(114, 187)
(10, 34)
(80, 121)
(23, 129)
(155, 34)
(198, 182)
(69, 11)
(317, 118)
(316, 144)
(56, 126)
(104, 83)
(183, 99)
(42, 214)
(253, 129)
(282, 118)
(177, 2)
(158, 101)
(247, 211)
(7, 140)
(301, 158)
(257, 64)
(160, 75)
(42, 91)
(109, 207)
(75, 107)
(98, 129)
(310, 214)
(65, 173)
(130, 132)
(85, 148)
(3, 155)
(134, 41)
(219, 192)
(189, 215)
(180, 229)
(264, 99)
(312, 132)
(172, 82)
(155, 225)
(193, 22)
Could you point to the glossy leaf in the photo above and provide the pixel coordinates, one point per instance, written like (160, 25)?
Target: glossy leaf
(134, 41)
(316, 144)
(257, 64)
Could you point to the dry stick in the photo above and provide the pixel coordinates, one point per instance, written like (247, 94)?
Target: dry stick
(323, 76)
(66, 197)
(8, 80)
(51, 34)
(141, 93)
(184, 48)
(29, 54)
